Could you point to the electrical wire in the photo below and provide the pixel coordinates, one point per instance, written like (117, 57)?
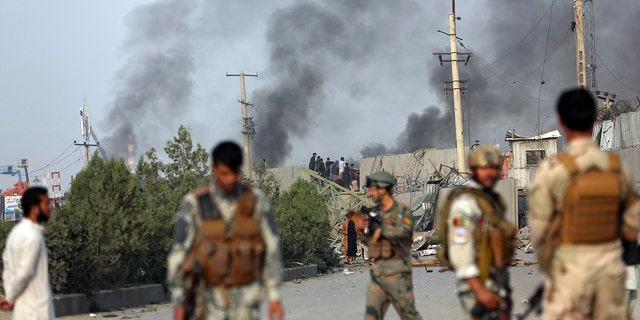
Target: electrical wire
(56, 162)
(615, 77)
(527, 35)
(546, 47)
(54, 159)
(67, 167)
(551, 55)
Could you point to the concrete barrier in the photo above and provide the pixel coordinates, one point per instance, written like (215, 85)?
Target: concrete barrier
(299, 272)
(106, 300)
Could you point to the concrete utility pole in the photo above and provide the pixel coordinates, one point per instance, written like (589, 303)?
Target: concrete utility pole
(455, 83)
(584, 30)
(248, 129)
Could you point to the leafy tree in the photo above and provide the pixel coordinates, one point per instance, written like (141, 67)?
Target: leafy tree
(302, 221)
(375, 149)
(187, 168)
(97, 240)
(159, 208)
(263, 179)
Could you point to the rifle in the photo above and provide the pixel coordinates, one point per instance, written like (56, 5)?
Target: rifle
(191, 271)
(496, 241)
(535, 303)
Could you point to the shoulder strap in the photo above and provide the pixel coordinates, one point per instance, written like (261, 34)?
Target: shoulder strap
(206, 206)
(246, 202)
(568, 162)
(614, 162)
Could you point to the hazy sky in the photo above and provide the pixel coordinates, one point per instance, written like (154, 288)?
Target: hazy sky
(333, 75)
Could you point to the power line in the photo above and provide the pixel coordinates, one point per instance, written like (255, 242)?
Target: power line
(615, 77)
(527, 35)
(54, 159)
(67, 167)
(546, 46)
(56, 162)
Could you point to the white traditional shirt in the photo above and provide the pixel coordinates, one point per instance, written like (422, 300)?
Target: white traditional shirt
(26, 273)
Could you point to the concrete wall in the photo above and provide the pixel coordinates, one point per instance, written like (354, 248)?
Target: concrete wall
(288, 175)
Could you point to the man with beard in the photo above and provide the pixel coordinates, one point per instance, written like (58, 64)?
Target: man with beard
(389, 237)
(26, 275)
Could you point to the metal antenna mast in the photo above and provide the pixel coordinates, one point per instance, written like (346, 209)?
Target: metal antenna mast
(85, 127)
(248, 129)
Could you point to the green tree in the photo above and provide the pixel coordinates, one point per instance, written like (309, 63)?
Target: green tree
(159, 208)
(97, 240)
(302, 221)
(263, 179)
(187, 168)
(371, 149)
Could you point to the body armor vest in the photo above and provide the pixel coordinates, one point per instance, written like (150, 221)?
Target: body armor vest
(592, 201)
(234, 252)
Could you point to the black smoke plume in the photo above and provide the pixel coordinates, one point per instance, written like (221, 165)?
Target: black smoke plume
(155, 83)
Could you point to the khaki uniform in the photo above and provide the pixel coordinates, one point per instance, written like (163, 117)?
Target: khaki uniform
(586, 281)
(391, 280)
(464, 216)
(241, 302)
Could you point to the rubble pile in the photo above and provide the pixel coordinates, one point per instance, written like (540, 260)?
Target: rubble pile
(523, 238)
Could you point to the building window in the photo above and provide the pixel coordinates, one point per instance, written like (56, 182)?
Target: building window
(534, 157)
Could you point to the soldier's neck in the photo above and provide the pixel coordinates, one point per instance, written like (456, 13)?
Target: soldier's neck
(386, 202)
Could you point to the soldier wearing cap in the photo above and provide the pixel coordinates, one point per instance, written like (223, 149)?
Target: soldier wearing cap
(479, 240)
(388, 234)
(579, 246)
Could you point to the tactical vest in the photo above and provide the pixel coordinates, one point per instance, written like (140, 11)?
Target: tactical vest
(388, 249)
(234, 251)
(592, 201)
(493, 217)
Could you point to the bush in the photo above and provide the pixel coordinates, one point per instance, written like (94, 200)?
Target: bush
(302, 221)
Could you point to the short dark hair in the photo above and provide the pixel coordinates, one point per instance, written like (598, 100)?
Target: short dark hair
(31, 198)
(227, 153)
(577, 109)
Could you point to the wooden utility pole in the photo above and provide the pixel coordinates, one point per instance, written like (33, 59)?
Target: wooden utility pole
(248, 129)
(455, 84)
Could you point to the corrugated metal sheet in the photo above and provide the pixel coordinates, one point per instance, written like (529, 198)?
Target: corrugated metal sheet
(621, 133)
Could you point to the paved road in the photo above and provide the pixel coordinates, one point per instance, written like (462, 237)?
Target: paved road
(339, 296)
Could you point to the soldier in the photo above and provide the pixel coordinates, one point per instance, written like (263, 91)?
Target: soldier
(582, 203)
(389, 239)
(479, 240)
(202, 267)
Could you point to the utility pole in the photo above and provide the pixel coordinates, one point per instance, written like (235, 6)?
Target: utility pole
(583, 27)
(85, 128)
(248, 129)
(455, 85)
(24, 163)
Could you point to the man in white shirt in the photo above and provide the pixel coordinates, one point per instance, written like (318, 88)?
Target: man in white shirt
(26, 274)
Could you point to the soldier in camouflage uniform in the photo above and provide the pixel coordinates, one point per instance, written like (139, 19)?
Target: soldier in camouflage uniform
(225, 301)
(389, 241)
(480, 240)
(583, 280)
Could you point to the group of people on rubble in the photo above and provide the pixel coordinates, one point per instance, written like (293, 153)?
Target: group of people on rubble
(339, 171)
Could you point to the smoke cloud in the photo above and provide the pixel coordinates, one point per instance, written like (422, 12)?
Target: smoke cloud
(155, 83)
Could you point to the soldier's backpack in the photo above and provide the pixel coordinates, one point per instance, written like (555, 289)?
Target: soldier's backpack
(493, 211)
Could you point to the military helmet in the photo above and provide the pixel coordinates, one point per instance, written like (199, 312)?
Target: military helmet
(381, 179)
(484, 156)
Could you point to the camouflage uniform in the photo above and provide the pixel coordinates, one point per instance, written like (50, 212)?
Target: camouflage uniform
(464, 215)
(244, 301)
(391, 280)
(586, 281)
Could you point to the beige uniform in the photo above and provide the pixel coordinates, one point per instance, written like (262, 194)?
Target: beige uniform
(586, 281)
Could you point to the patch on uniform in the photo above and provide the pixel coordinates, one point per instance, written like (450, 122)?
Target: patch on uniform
(459, 222)
(406, 220)
(460, 235)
